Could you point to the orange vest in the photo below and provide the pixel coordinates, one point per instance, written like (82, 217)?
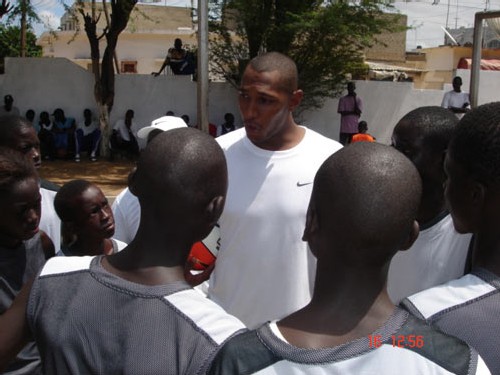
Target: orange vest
(362, 137)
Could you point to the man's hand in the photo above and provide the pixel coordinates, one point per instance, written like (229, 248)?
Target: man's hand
(197, 278)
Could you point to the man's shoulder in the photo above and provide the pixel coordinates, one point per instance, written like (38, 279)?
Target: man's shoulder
(229, 359)
(319, 140)
(228, 139)
(64, 265)
(432, 303)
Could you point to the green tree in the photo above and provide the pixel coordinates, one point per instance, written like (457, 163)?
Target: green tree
(10, 42)
(326, 39)
(103, 69)
(23, 11)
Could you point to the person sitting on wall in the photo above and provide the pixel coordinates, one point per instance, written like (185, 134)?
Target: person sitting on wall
(181, 62)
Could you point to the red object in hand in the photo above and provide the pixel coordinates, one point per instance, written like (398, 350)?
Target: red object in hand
(204, 252)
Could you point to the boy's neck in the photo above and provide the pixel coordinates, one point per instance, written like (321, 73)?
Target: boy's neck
(92, 247)
(486, 252)
(353, 310)
(154, 257)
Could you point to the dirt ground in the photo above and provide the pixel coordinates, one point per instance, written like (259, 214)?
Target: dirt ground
(111, 177)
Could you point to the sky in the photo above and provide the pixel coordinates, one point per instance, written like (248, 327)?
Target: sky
(425, 18)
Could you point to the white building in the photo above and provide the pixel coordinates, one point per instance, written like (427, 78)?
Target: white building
(142, 46)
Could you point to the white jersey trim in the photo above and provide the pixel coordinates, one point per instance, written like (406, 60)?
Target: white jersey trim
(434, 300)
(210, 317)
(59, 265)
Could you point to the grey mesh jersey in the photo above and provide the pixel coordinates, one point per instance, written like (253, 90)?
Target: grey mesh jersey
(468, 308)
(262, 352)
(88, 321)
(17, 266)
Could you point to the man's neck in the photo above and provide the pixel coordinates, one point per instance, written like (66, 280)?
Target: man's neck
(288, 139)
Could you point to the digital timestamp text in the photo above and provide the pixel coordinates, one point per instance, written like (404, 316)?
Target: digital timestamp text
(401, 341)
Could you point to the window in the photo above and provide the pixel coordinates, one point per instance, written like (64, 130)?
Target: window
(128, 67)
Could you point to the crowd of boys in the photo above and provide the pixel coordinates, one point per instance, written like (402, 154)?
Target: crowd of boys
(304, 226)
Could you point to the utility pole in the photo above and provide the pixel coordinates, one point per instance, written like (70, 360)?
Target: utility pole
(202, 70)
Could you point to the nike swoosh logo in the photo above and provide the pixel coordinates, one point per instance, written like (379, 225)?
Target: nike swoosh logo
(299, 184)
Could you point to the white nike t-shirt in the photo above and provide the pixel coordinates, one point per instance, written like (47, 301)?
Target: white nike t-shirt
(264, 270)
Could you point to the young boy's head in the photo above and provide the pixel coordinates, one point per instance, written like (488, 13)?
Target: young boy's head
(84, 211)
(20, 201)
(176, 180)
(18, 134)
(363, 206)
(423, 136)
(473, 168)
(362, 127)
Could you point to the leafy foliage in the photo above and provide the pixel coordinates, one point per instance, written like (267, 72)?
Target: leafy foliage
(10, 37)
(326, 39)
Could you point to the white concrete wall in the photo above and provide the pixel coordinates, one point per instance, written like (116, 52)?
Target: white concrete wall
(48, 83)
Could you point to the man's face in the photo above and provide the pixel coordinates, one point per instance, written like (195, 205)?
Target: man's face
(351, 88)
(458, 193)
(21, 209)
(265, 108)
(94, 218)
(26, 141)
(457, 83)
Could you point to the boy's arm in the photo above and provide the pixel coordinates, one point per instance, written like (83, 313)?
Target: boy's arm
(14, 329)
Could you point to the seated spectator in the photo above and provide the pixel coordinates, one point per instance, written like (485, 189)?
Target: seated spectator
(46, 136)
(351, 326)
(64, 132)
(23, 247)
(180, 61)
(468, 307)
(8, 107)
(30, 116)
(362, 135)
(87, 136)
(159, 324)
(17, 134)
(123, 137)
(87, 220)
(186, 119)
(227, 126)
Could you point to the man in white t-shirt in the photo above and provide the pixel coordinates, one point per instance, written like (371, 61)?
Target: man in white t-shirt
(456, 100)
(264, 270)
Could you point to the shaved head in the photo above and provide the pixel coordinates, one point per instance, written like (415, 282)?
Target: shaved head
(476, 145)
(9, 129)
(185, 167)
(435, 124)
(366, 196)
(275, 61)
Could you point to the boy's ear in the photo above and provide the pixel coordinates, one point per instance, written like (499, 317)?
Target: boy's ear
(412, 236)
(214, 209)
